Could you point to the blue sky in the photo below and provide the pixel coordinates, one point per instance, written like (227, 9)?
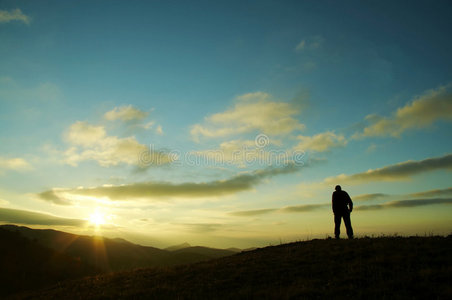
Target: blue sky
(86, 87)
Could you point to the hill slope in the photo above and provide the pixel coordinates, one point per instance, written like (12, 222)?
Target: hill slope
(113, 254)
(24, 264)
(392, 268)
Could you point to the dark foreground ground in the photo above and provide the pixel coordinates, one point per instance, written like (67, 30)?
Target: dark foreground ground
(365, 268)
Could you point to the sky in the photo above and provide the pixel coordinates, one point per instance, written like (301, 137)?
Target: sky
(225, 123)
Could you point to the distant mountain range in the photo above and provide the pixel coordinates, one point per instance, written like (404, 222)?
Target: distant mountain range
(33, 253)
(178, 247)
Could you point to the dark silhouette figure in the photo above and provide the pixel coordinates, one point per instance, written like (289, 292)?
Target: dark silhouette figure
(342, 207)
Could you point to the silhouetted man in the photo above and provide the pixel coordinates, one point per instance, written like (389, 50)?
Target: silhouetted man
(342, 207)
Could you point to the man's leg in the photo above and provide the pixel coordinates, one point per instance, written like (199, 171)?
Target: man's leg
(337, 225)
(348, 225)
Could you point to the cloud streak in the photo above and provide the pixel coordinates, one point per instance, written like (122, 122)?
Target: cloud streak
(400, 171)
(302, 208)
(33, 218)
(287, 209)
(51, 196)
(406, 203)
(369, 197)
(433, 193)
(159, 190)
(250, 213)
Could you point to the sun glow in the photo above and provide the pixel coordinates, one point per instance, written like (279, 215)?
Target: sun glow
(97, 218)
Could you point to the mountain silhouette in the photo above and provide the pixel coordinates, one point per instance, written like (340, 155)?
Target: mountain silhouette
(25, 264)
(32, 258)
(178, 247)
(114, 254)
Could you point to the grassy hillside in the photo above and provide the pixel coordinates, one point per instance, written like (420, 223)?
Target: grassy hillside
(380, 268)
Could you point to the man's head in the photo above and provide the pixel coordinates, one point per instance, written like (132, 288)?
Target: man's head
(338, 188)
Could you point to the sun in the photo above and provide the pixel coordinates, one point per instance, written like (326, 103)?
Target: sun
(97, 218)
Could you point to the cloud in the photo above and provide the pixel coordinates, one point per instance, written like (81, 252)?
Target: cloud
(33, 218)
(424, 194)
(423, 111)
(302, 208)
(320, 142)
(85, 134)
(312, 43)
(243, 153)
(126, 114)
(14, 164)
(159, 190)
(369, 197)
(51, 196)
(399, 171)
(251, 112)
(14, 15)
(248, 213)
(406, 203)
(90, 142)
(286, 209)
(433, 193)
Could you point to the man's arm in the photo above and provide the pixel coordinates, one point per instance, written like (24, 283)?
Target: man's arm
(350, 203)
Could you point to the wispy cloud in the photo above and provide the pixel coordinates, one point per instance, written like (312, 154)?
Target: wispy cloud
(423, 111)
(243, 153)
(14, 15)
(433, 193)
(369, 197)
(399, 171)
(256, 212)
(52, 197)
(125, 114)
(162, 190)
(251, 112)
(84, 134)
(302, 208)
(33, 218)
(320, 142)
(91, 142)
(287, 209)
(14, 164)
(406, 203)
(424, 194)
